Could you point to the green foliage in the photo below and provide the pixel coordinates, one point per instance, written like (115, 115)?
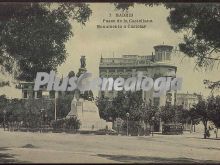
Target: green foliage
(58, 124)
(64, 105)
(177, 114)
(104, 106)
(4, 83)
(126, 6)
(72, 123)
(200, 22)
(133, 127)
(29, 110)
(34, 35)
(68, 124)
(76, 11)
(149, 114)
(201, 110)
(123, 6)
(3, 102)
(130, 102)
(182, 115)
(167, 114)
(14, 109)
(214, 110)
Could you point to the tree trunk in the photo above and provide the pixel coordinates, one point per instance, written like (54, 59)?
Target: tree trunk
(216, 133)
(191, 127)
(205, 130)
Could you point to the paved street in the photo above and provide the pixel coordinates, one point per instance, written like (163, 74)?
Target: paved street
(24, 147)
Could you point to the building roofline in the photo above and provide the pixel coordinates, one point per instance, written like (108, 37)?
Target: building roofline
(158, 46)
(171, 66)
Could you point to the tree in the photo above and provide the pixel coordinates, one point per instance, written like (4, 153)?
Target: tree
(110, 109)
(202, 111)
(214, 111)
(167, 113)
(193, 117)
(3, 105)
(124, 102)
(200, 23)
(69, 124)
(123, 6)
(33, 35)
(181, 114)
(104, 105)
(63, 106)
(150, 114)
(72, 123)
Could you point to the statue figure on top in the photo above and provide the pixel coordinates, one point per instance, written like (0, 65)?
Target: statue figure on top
(82, 68)
(83, 62)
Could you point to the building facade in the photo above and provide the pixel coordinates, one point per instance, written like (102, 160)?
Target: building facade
(158, 64)
(29, 93)
(187, 100)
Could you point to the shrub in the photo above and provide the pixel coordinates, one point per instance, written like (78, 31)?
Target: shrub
(68, 124)
(72, 123)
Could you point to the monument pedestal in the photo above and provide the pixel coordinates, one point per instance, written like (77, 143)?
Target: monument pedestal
(88, 114)
(86, 111)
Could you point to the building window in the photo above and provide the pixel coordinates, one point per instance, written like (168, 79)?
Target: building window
(169, 98)
(52, 94)
(25, 94)
(33, 94)
(39, 94)
(156, 101)
(60, 93)
(168, 56)
(160, 56)
(78, 104)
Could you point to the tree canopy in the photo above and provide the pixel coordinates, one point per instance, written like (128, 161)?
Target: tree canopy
(200, 23)
(33, 35)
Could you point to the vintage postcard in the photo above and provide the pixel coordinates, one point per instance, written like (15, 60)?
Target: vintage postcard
(109, 82)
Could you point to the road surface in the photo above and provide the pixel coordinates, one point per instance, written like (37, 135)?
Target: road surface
(26, 147)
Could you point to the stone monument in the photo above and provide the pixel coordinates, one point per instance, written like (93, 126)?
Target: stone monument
(86, 110)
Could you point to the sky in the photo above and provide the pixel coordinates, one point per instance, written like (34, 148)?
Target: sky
(92, 42)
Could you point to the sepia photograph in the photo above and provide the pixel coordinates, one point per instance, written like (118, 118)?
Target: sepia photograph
(109, 82)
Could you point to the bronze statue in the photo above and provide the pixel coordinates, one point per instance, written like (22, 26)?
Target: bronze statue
(83, 61)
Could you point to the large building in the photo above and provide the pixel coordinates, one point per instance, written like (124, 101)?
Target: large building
(187, 100)
(28, 91)
(158, 64)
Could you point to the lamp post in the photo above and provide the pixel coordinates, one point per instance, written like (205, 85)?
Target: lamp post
(55, 105)
(152, 131)
(127, 115)
(41, 114)
(4, 112)
(46, 117)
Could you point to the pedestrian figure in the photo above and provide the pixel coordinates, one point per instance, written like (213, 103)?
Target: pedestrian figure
(4, 126)
(216, 133)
